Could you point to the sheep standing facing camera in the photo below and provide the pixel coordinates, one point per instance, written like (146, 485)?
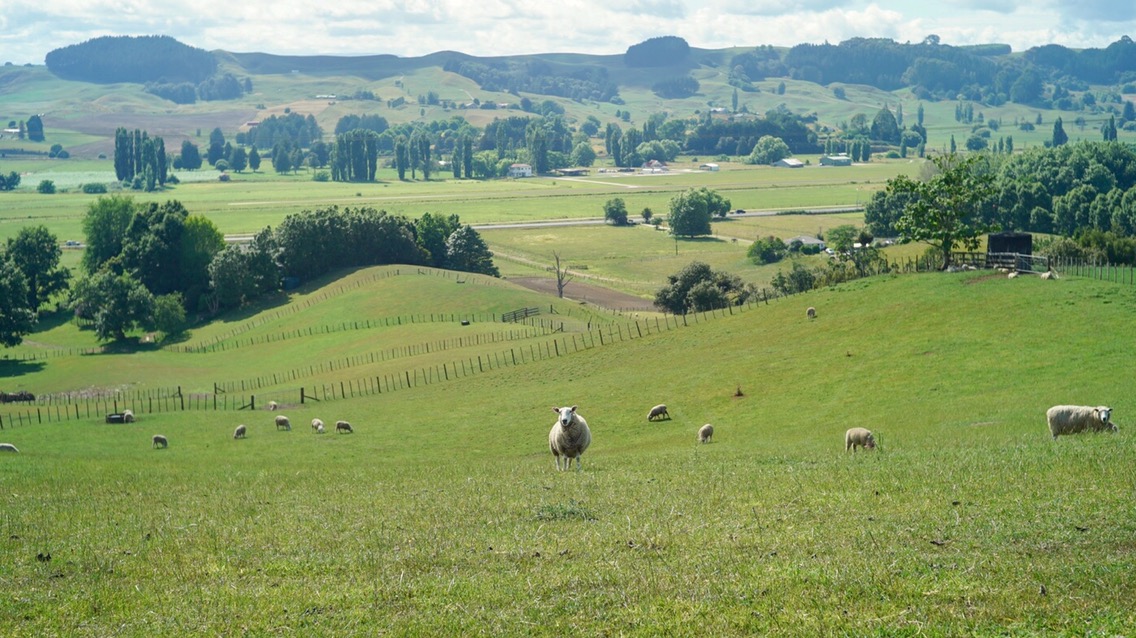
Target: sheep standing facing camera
(811, 313)
(705, 433)
(569, 437)
(160, 441)
(859, 437)
(1071, 419)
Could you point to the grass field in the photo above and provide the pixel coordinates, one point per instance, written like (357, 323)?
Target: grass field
(442, 514)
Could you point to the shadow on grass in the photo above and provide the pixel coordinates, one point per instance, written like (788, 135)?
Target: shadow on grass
(12, 368)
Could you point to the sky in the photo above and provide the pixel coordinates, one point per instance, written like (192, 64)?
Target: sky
(29, 29)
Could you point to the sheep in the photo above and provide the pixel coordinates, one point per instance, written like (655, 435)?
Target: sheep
(1070, 419)
(271, 406)
(659, 411)
(343, 426)
(1049, 274)
(859, 437)
(569, 437)
(317, 424)
(283, 422)
(705, 433)
(160, 441)
(811, 312)
(319, 430)
(8, 447)
(240, 432)
(128, 416)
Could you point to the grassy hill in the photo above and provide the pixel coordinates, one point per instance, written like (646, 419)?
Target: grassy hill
(442, 514)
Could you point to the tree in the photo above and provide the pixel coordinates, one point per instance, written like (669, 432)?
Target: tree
(190, 156)
(768, 150)
(216, 148)
(239, 159)
(583, 154)
(169, 314)
(885, 127)
(562, 276)
(254, 159)
(767, 250)
(691, 210)
(114, 303)
(46, 187)
(697, 287)
(945, 210)
(9, 182)
(401, 157)
(615, 211)
(35, 252)
(35, 128)
(432, 232)
(466, 251)
(1059, 136)
(647, 215)
(16, 317)
(200, 242)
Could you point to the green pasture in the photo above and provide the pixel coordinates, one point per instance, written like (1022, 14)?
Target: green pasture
(443, 514)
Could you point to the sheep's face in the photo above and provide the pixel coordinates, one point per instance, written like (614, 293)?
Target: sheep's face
(870, 443)
(566, 415)
(1103, 414)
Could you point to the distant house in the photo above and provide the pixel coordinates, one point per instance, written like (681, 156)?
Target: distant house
(789, 162)
(806, 240)
(839, 159)
(655, 166)
(572, 172)
(709, 167)
(520, 170)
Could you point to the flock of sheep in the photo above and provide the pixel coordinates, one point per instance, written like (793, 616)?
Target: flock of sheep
(159, 441)
(570, 436)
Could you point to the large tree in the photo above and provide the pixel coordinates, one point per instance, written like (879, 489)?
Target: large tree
(615, 211)
(190, 156)
(691, 210)
(945, 211)
(35, 251)
(466, 251)
(16, 317)
(104, 227)
(697, 287)
(114, 303)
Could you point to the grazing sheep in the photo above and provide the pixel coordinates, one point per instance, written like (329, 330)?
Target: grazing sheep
(128, 416)
(858, 437)
(343, 426)
(160, 441)
(8, 447)
(319, 430)
(283, 422)
(240, 432)
(705, 433)
(1070, 419)
(811, 313)
(658, 412)
(271, 406)
(569, 437)
(317, 424)
(1049, 274)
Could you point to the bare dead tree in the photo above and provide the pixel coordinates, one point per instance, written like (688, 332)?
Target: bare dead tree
(562, 276)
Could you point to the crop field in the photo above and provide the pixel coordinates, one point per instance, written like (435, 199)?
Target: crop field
(443, 514)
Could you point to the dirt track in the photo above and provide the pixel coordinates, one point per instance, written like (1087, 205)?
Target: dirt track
(580, 291)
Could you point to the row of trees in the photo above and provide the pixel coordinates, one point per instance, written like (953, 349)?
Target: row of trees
(137, 155)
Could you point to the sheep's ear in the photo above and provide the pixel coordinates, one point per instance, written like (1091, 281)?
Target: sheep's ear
(573, 408)
(556, 409)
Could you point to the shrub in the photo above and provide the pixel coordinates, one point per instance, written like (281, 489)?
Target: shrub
(321, 176)
(94, 189)
(46, 187)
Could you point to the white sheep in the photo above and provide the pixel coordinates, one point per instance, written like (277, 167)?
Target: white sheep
(705, 433)
(859, 437)
(319, 430)
(128, 416)
(1070, 419)
(8, 447)
(343, 426)
(271, 406)
(240, 432)
(569, 437)
(160, 441)
(317, 424)
(658, 412)
(811, 313)
(283, 422)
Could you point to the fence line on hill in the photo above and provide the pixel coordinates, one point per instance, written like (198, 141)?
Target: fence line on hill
(52, 408)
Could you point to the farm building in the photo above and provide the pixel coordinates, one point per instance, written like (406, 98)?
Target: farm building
(709, 167)
(520, 170)
(839, 159)
(789, 162)
(806, 240)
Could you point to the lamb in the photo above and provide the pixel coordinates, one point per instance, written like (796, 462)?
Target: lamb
(8, 447)
(128, 416)
(569, 437)
(317, 424)
(283, 422)
(160, 441)
(859, 437)
(658, 412)
(343, 426)
(811, 313)
(271, 406)
(240, 432)
(1070, 419)
(705, 433)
